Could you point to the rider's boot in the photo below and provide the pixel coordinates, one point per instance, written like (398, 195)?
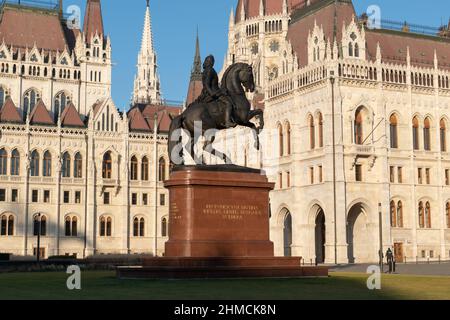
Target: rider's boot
(229, 121)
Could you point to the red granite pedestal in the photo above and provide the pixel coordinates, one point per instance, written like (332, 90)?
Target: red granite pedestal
(219, 228)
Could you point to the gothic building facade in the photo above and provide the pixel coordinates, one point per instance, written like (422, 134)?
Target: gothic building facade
(73, 167)
(358, 123)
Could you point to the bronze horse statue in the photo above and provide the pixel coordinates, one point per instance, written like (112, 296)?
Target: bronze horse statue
(236, 78)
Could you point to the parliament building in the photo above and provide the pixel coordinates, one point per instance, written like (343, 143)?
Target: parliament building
(357, 113)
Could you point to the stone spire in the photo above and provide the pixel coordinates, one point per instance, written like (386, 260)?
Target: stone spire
(146, 83)
(93, 20)
(196, 73)
(195, 84)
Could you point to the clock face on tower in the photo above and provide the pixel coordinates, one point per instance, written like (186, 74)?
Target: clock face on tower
(274, 46)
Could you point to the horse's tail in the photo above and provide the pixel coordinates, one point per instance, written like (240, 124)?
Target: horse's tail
(177, 123)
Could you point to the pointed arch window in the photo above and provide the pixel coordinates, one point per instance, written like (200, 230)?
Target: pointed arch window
(138, 227)
(350, 49)
(66, 165)
(421, 215)
(47, 168)
(312, 134)
(320, 130)
(30, 99)
(359, 127)
(447, 214)
(40, 224)
(428, 215)
(280, 140)
(443, 135)
(400, 214)
(3, 162)
(15, 163)
(415, 132)
(164, 227)
(393, 123)
(7, 225)
(393, 211)
(34, 164)
(288, 138)
(60, 103)
(78, 166)
(144, 169)
(162, 169)
(427, 134)
(105, 226)
(356, 50)
(134, 169)
(71, 226)
(107, 166)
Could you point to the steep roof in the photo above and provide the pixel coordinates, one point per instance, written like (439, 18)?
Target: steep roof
(323, 12)
(40, 115)
(148, 112)
(394, 46)
(93, 19)
(194, 91)
(9, 112)
(70, 117)
(271, 7)
(24, 27)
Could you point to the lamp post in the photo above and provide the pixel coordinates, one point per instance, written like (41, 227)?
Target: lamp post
(38, 249)
(332, 80)
(380, 222)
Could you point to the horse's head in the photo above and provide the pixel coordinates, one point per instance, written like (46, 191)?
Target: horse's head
(246, 77)
(237, 76)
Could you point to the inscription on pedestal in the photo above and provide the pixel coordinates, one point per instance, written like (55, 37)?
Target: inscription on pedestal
(231, 212)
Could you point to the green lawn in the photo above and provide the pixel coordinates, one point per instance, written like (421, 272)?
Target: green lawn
(104, 285)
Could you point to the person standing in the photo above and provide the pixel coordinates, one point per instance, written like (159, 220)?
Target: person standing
(390, 259)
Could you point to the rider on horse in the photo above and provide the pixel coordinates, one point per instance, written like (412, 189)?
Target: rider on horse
(211, 92)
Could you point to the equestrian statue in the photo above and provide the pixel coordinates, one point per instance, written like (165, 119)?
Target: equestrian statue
(219, 108)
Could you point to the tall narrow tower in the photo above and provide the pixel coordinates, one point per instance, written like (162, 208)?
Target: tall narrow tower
(195, 83)
(146, 82)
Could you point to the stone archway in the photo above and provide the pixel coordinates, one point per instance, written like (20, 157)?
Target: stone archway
(358, 235)
(287, 235)
(320, 236)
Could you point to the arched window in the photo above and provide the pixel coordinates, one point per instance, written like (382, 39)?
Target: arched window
(42, 222)
(164, 229)
(415, 130)
(66, 165)
(105, 226)
(162, 169)
(107, 166)
(78, 166)
(428, 215)
(47, 168)
(356, 50)
(280, 140)
(394, 131)
(359, 127)
(312, 134)
(6, 225)
(350, 49)
(288, 138)
(320, 130)
(71, 226)
(393, 214)
(426, 134)
(30, 99)
(34, 164)
(15, 163)
(134, 169)
(447, 214)
(421, 215)
(443, 135)
(400, 214)
(139, 227)
(144, 169)
(3, 162)
(60, 103)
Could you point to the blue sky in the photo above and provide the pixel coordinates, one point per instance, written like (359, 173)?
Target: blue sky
(174, 28)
